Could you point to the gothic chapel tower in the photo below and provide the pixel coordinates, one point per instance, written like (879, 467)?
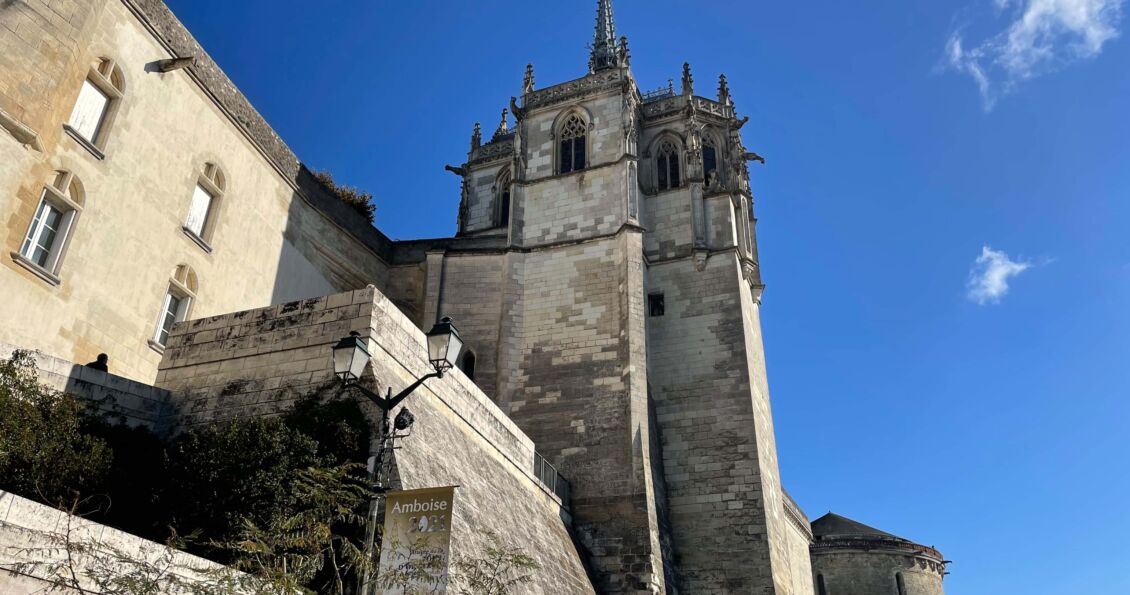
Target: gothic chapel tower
(623, 333)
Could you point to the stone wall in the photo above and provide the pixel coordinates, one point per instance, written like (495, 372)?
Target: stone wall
(32, 534)
(875, 572)
(256, 362)
(131, 402)
(279, 235)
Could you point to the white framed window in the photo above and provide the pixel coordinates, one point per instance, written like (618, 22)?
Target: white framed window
(97, 103)
(198, 210)
(200, 224)
(51, 227)
(90, 110)
(175, 306)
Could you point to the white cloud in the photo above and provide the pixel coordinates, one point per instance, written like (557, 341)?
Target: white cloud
(988, 279)
(1042, 36)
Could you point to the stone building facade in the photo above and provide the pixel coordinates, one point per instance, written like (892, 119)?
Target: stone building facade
(605, 277)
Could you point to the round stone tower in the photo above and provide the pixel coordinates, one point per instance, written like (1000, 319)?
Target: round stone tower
(850, 558)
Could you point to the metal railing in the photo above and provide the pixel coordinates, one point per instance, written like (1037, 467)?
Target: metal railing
(657, 94)
(547, 474)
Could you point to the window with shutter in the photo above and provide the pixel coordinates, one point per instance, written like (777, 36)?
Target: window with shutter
(198, 211)
(90, 109)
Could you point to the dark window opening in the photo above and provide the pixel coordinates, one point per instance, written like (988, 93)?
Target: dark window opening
(820, 589)
(655, 305)
(709, 161)
(667, 165)
(469, 365)
(504, 208)
(572, 146)
(900, 584)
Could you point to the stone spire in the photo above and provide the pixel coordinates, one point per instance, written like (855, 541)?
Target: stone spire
(724, 91)
(503, 126)
(528, 81)
(605, 53)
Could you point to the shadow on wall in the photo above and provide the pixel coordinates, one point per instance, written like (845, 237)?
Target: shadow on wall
(320, 257)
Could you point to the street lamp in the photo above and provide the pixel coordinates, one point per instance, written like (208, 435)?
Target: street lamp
(350, 357)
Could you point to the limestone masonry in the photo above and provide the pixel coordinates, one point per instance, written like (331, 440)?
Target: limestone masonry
(604, 275)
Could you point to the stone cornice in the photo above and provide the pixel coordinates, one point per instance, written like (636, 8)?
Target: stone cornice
(796, 515)
(672, 105)
(597, 82)
(876, 544)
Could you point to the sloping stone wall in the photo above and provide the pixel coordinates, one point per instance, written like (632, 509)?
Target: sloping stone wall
(256, 362)
(32, 534)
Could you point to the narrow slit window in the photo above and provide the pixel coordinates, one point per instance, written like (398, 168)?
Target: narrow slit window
(468, 366)
(900, 584)
(820, 588)
(655, 305)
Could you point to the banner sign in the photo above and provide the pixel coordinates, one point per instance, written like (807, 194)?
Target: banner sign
(416, 544)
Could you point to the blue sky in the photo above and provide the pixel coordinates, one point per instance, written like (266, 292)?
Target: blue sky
(942, 224)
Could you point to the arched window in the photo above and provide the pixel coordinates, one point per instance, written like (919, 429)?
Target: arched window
(51, 226)
(176, 305)
(667, 165)
(206, 196)
(709, 161)
(98, 100)
(571, 144)
(820, 588)
(899, 584)
(468, 366)
(502, 200)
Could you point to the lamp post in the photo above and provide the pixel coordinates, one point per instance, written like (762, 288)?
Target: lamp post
(350, 358)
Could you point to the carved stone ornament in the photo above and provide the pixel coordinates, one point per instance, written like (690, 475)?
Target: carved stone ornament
(565, 92)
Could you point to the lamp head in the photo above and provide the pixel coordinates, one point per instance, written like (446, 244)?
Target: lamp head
(444, 345)
(350, 357)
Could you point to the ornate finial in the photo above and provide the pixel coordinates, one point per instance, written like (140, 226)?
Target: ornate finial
(688, 81)
(624, 55)
(528, 82)
(604, 54)
(671, 86)
(476, 137)
(503, 127)
(724, 91)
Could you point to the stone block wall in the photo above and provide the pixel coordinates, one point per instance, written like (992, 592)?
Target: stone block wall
(707, 379)
(256, 362)
(27, 526)
(875, 572)
(131, 402)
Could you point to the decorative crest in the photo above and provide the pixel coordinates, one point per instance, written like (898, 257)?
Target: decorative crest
(688, 81)
(503, 127)
(528, 82)
(724, 91)
(605, 51)
(476, 137)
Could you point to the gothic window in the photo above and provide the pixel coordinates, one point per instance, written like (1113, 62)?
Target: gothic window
(176, 304)
(55, 216)
(200, 223)
(502, 200)
(98, 101)
(709, 159)
(571, 144)
(667, 165)
(468, 366)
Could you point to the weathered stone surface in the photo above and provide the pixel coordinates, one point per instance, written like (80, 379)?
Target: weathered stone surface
(256, 362)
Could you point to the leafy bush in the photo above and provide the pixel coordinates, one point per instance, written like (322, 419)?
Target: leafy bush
(44, 452)
(357, 199)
